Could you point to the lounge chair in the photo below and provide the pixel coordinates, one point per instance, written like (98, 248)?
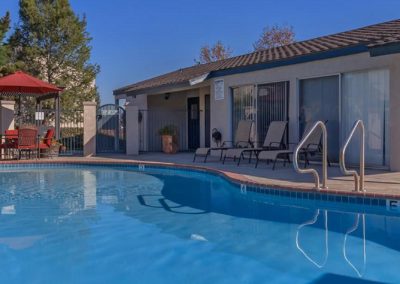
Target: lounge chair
(312, 147)
(242, 139)
(273, 141)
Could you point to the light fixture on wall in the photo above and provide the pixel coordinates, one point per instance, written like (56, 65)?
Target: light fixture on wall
(166, 97)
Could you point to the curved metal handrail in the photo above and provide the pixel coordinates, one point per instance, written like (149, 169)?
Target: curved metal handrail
(358, 178)
(312, 222)
(324, 156)
(351, 230)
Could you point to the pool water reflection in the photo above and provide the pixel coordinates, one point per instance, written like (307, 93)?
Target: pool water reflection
(106, 225)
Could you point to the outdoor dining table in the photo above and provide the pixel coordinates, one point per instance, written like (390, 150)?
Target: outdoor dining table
(11, 148)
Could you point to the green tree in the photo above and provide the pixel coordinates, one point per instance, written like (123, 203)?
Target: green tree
(54, 45)
(4, 26)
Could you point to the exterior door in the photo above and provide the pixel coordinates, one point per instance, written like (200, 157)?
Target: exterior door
(207, 120)
(193, 107)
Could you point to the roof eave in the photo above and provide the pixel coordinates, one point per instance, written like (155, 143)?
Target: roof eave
(385, 49)
(294, 60)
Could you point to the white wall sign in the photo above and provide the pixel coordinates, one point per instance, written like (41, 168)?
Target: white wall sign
(39, 115)
(219, 89)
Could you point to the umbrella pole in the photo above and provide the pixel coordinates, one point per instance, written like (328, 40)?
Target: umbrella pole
(57, 118)
(19, 111)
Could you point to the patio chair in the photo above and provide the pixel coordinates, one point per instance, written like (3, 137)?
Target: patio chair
(27, 141)
(10, 141)
(45, 144)
(273, 141)
(242, 139)
(312, 147)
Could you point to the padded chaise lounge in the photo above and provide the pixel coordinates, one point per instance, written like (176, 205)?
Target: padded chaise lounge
(273, 141)
(312, 147)
(242, 140)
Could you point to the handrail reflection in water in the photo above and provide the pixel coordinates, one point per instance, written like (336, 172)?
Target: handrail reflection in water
(351, 230)
(312, 222)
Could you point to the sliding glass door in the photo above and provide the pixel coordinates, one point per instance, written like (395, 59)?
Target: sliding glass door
(365, 95)
(319, 100)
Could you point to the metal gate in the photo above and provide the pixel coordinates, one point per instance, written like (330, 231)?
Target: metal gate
(110, 136)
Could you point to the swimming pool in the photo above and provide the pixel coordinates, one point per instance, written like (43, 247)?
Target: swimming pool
(129, 224)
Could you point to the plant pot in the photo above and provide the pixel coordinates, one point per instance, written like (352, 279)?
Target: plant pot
(169, 144)
(54, 150)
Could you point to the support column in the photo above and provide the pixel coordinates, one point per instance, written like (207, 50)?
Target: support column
(89, 128)
(6, 115)
(57, 116)
(132, 129)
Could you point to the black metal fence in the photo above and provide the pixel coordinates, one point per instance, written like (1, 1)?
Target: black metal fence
(70, 127)
(151, 121)
(111, 130)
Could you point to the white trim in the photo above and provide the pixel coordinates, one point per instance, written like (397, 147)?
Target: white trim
(198, 79)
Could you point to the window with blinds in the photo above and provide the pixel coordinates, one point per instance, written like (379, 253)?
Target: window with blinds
(244, 105)
(269, 103)
(272, 105)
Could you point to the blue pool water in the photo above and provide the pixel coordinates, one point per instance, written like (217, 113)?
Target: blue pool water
(87, 224)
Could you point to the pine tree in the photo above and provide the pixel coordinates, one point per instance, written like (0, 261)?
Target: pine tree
(4, 26)
(54, 45)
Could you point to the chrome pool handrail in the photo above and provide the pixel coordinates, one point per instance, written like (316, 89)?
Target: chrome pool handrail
(324, 156)
(358, 178)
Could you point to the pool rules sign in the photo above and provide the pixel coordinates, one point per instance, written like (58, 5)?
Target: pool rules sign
(219, 90)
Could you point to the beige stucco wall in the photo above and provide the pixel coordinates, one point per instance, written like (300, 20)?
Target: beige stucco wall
(6, 115)
(221, 109)
(89, 128)
(177, 101)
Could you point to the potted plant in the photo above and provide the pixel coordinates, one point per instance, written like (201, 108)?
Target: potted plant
(55, 148)
(169, 136)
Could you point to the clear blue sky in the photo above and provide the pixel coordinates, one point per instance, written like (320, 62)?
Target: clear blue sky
(134, 40)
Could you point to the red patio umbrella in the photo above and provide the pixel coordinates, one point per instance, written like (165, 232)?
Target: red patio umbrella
(21, 83)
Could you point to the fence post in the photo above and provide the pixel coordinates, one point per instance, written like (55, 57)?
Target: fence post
(6, 115)
(89, 128)
(132, 129)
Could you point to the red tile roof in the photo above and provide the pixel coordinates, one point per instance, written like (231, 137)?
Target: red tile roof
(368, 37)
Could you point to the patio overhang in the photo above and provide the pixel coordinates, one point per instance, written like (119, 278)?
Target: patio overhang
(194, 83)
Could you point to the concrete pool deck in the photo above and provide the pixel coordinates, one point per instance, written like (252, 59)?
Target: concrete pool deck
(378, 183)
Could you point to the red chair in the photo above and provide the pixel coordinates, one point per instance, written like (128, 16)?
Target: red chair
(47, 141)
(10, 141)
(27, 141)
